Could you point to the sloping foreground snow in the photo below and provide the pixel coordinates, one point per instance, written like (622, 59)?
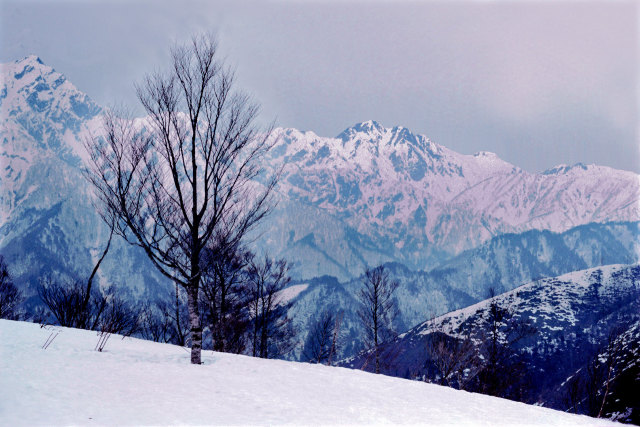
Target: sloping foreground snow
(135, 382)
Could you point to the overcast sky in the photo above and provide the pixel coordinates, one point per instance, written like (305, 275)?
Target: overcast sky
(539, 83)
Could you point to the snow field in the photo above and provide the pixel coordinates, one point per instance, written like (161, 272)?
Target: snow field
(136, 382)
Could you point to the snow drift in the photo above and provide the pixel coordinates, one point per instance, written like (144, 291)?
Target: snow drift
(135, 382)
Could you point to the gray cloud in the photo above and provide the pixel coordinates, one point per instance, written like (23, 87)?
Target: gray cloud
(539, 83)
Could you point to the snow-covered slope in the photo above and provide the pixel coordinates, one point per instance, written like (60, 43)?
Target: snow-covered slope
(615, 368)
(555, 304)
(572, 315)
(48, 224)
(43, 119)
(134, 382)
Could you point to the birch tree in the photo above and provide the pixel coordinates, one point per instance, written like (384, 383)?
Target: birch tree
(187, 171)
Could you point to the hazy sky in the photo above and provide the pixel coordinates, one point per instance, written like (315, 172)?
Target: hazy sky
(539, 83)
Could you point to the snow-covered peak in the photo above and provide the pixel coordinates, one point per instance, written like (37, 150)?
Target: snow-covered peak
(374, 133)
(31, 64)
(30, 60)
(370, 128)
(487, 163)
(30, 86)
(485, 155)
(43, 119)
(29, 73)
(291, 134)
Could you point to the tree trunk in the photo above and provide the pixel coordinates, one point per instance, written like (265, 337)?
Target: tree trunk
(219, 344)
(375, 334)
(196, 328)
(377, 350)
(84, 310)
(179, 335)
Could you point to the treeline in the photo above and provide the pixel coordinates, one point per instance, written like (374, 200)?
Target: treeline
(241, 305)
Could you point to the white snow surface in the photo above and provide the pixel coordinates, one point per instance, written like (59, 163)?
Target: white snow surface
(287, 294)
(556, 297)
(136, 382)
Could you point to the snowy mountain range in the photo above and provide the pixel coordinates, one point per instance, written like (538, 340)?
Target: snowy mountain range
(447, 226)
(368, 196)
(376, 194)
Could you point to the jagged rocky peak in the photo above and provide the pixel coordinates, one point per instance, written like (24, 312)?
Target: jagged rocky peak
(41, 114)
(24, 71)
(31, 59)
(373, 132)
(485, 154)
(563, 169)
(370, 129)
(27, 65)
(292, 134)
(31, 85)
(35, 92)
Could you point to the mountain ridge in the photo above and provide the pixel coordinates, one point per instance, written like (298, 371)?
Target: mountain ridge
(420, 202)
(571, 320)
(373, 195)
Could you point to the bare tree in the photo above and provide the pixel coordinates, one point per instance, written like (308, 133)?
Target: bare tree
(377, 309)
(225, 295)
(272, 332)
(611, 355)
(73, 303)
(66, 302)
(119, 317)
(154, 325)
(455, 359)
(87, 295)
(107, 312)
(178, 315)
(574, 395)
(589, 389)
(166, 320)
(10, 295)
(187, 172)
(336, 337)
(320, 343)
(591, 386)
